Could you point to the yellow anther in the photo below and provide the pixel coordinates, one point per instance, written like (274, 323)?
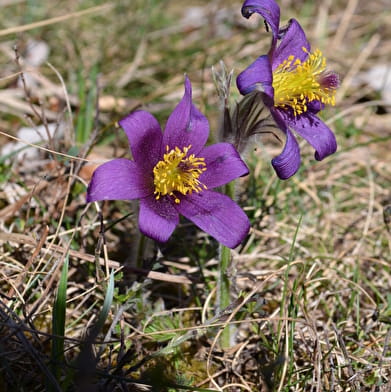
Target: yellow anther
(178, 172)
(296, 83)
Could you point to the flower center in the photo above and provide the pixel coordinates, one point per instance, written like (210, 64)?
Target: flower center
(177, 172)
(296, 83)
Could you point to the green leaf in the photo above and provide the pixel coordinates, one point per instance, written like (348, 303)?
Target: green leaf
(58, 320)
(106, 304)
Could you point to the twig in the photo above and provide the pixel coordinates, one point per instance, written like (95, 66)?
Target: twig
(44, 148)
(344, 25)
(41, 116)
(356, 66)
(351, 373)
(57, 19)
(29, 241)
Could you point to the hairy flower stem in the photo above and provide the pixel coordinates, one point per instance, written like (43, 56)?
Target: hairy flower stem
(224, 287)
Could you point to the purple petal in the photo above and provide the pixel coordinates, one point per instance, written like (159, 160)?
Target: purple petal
(315, 106)
(317, 133)
(288, 162)
(258, 76)
(186, 125)
(293, 40)
(216, 214)
(268, 9)
(145, 138)
(157, 218)
(223, 164)
(119, 179)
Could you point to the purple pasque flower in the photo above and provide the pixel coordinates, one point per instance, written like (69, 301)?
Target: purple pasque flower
(173, 173)
(295, 86)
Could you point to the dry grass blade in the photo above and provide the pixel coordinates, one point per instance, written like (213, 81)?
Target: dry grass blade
(310, 307)
(62, 18)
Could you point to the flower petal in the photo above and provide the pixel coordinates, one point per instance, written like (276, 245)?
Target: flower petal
(216, 214)
(119, 179)
(268, 9)
(317, 133)
(145, 138)
(223, 164)
(315, 106)
(288, 162)
(186, 125)
(157, 218)
(257, 75)
(293, 40)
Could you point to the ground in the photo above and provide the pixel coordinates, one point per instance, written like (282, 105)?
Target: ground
(87, 303)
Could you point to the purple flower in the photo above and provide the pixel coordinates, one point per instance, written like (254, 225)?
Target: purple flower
(174, 173)
(295, 86)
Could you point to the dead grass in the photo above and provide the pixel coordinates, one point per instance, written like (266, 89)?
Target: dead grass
(313, 278)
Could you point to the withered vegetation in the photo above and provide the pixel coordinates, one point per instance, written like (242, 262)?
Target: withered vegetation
(311, 302)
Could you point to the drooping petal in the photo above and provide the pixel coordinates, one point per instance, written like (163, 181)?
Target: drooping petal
(293, 40)
(216, 214)
(119, 179)
(317, 133)
(145, 138)
(257, 75)
(157, 218)
(223, 164)
(186, 125)
(288, 162)
(268, 9)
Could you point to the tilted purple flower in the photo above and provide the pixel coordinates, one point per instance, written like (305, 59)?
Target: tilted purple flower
(295, 86)
(174, 173)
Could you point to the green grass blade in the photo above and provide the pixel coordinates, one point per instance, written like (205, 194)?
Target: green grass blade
(80, 123)
(106, 304)
(58, 320)
(90, 105)
(87, 92)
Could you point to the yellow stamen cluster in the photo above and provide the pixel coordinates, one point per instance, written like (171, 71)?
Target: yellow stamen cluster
(296, 83)
(177, 172)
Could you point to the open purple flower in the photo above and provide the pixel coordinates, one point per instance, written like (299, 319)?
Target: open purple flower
(295, 86)
(174, 173)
